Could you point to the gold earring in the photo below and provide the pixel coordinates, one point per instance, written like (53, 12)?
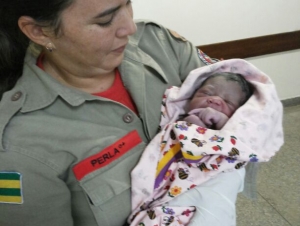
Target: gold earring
(50, 47)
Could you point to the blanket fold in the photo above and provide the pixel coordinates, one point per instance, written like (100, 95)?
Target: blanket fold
(185, 155)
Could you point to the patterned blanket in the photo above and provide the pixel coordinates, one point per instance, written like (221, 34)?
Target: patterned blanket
(185, 155)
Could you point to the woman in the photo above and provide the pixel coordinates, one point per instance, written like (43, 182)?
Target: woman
(77, 114)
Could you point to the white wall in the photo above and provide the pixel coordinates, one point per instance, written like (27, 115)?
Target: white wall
(205, 22)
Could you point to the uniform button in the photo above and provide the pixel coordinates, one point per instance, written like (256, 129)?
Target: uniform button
(128, 117)
(16, 96)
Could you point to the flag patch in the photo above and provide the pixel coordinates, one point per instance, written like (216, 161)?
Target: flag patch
(11, 188)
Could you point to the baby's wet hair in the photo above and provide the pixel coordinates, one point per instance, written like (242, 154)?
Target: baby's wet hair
(246, 86)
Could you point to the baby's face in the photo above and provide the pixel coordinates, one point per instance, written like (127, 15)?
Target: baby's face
(219, 94)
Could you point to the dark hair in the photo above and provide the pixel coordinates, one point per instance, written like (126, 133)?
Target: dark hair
(246, 87)
(13, 43)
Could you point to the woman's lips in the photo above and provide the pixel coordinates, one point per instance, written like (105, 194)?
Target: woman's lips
(120, 49)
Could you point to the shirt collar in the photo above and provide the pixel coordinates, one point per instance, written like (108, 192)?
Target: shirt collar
(41, 89)
(134, 52)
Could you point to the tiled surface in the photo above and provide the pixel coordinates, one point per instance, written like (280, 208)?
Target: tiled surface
(278, 184)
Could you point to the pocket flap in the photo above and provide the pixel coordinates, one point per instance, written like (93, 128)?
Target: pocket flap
(102, 185)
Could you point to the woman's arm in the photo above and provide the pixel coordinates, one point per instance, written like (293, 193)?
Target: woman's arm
(45, 197)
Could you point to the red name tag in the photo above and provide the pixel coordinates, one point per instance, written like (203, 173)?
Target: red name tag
(106, 156)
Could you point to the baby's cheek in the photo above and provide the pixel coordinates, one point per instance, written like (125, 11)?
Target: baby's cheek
(227, 111)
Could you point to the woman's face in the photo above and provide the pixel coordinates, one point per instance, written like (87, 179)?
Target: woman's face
(93, 36)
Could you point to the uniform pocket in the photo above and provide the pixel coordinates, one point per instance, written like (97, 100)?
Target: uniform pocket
(100, 189)
(109, 189)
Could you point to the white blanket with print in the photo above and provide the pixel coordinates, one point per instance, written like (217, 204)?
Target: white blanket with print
(184, 155)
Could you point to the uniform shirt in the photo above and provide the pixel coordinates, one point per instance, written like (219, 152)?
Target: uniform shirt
(118, 92)
(74, 151)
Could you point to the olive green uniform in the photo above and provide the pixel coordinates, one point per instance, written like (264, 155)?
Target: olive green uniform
(47, 128)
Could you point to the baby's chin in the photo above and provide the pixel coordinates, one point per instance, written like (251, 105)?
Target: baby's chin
(228, 114)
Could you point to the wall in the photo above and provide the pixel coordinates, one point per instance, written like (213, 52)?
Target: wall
(206, 22)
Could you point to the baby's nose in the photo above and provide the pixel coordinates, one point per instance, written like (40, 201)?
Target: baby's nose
(214, 100)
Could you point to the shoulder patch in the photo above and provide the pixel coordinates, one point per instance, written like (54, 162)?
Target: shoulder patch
(146, 22)
(177, 36)
(11, 188)
(205, 58)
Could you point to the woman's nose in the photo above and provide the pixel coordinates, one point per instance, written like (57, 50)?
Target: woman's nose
(128, 26)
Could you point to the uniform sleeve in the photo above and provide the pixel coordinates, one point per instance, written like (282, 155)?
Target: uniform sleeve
(44, 199)
(168, 49)
(185, 52)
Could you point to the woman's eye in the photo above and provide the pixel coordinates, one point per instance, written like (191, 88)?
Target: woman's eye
(110, 17)
(106, 24)
(107, 20)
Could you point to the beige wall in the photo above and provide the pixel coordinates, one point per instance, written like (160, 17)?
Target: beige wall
(204, 22)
